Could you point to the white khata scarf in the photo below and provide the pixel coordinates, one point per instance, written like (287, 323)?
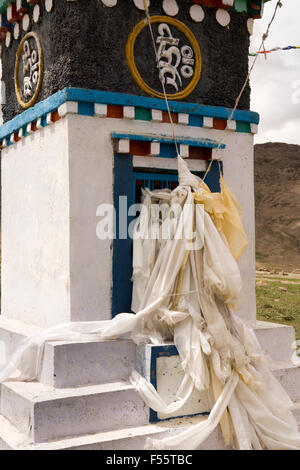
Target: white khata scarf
(186, 283)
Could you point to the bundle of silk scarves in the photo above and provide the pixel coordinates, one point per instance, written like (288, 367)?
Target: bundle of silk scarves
(186, 284)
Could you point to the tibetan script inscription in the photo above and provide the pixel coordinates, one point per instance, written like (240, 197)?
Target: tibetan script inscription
(28, 71)
(169, 57)
(173, 66)
(31, 70)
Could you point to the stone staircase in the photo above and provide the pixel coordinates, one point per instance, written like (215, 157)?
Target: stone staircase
(83, 399)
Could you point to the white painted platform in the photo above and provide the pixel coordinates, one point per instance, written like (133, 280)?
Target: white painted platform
(133, 438)
(45, 413)
(276, 339)
(289, 376)
(74, 364)
(12, 332)
(77, 364)
(296, 411)
(85, 402)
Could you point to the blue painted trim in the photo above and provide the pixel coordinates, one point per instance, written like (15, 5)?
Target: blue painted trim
(32, 114)
(85, 108)
(4, 21)
(167, 151)
(149, 180)
(125, 177)
(196, 121)
(213, 176)
(122, 247)
(207, 143)
(120, 99)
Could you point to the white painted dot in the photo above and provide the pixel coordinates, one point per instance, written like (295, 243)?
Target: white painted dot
(110, 3)
(8, 39)
(223, 17)
(26, 22)
(17, 31)
(197, 13)
(140, 4)
(250, 25)
(36, 13)
(49, 5)
(170, 7)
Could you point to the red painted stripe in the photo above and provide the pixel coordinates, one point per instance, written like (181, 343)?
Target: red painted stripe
(140, 148)
(211, 3)
(199, 153)
(54, 116)
(33, 126)
(219, 124)
(14, 14)
(166, 117)
(115, 111)
(16, 137)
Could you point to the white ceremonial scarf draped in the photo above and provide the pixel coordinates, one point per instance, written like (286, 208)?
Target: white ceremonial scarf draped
(185, 284)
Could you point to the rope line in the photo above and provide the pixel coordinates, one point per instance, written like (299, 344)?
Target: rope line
(261, 50)
(264, 37)
(160, 78)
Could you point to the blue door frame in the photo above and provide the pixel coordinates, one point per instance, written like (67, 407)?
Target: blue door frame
(125, 184)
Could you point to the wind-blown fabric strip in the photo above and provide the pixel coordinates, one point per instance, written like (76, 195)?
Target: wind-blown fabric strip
(190, 259)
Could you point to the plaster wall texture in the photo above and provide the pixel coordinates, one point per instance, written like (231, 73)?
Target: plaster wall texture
(55, 269)
(35, 215)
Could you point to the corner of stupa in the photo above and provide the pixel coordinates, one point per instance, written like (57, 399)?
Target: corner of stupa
(85, 123)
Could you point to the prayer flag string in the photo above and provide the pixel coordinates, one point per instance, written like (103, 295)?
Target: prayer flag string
(287, 48)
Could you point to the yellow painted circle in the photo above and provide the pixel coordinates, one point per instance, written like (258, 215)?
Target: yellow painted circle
(133, 68)
(28, 104)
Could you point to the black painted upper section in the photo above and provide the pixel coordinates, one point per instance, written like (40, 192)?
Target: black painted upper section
(84, 46)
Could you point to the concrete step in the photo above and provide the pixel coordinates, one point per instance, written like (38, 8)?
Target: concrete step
(276, 340)
(12, 332)
(132, 438)
(296, 411)
(288, 375)
(11, 438)
(76, 364)
(73, 364)
(44, 413)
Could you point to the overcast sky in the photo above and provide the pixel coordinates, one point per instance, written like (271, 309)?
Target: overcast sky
(275, 82)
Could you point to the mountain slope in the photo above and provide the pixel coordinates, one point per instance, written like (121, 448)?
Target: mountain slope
(277, 200)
